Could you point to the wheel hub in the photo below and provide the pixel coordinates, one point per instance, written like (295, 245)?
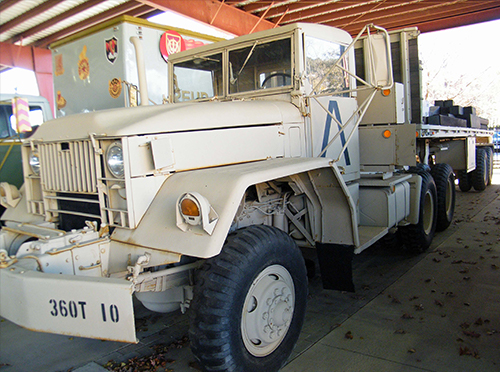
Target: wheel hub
(268, 310)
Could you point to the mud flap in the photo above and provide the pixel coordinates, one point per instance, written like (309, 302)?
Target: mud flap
(335, 263)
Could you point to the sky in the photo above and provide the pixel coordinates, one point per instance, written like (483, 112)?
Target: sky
(463, 64)
(466, 55)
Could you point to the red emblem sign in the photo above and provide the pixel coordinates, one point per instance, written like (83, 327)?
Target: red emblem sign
(171, 42)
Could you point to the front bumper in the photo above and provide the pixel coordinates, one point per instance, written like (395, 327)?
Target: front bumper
(81, 306)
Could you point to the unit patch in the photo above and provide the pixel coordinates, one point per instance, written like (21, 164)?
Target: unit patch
(111, 49)
(61, 102)
(171, 42)
(59, 66)
(115, 88)
(83, 64)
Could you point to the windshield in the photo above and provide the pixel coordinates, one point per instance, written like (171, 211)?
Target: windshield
(260, 66)
(198, 78)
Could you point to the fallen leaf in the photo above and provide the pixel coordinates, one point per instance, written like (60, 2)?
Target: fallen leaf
(438, 303)
(471, 334)
(349, 335)
(466, 351)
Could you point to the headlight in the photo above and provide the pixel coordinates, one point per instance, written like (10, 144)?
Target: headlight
(114, 159)
(35, 163)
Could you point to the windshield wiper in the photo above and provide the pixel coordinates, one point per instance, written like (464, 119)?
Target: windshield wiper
(197, 58)
(248, 57)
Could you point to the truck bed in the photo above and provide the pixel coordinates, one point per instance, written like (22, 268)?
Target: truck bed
(440, 131)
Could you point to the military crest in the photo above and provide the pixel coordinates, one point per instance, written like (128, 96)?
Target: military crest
(111, 49)
(171, 42)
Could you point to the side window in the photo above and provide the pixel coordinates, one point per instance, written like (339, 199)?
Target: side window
(321, 55)
(4, 121)
(260, 66)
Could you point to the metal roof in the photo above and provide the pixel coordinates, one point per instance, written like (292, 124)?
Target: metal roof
(41, 22)
(352, 15)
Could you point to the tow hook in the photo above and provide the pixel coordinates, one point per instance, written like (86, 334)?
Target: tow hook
(135, 270)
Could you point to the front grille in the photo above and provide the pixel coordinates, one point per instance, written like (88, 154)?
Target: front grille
(68, 167)
(75, 209)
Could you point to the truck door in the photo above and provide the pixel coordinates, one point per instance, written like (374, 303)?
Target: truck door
(332, 112)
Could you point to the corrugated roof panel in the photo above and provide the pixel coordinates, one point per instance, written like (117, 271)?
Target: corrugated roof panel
(17, 9)
(102, 7)
(40, 18)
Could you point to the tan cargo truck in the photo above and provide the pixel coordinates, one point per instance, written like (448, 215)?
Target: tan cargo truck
(203, 204)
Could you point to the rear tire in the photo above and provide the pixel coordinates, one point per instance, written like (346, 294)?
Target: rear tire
(481, 173)
(489, 154)
(249, 302)
(464, 181)
(445, 185)
(418, 237)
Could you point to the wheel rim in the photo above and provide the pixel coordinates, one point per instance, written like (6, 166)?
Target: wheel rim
(428, 212)
(268, 311)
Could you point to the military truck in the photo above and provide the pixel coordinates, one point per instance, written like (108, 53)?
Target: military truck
(203, 204)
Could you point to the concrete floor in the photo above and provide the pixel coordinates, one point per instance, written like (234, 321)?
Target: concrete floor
(438, 311)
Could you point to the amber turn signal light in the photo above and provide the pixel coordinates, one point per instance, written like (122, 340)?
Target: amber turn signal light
(190, 208)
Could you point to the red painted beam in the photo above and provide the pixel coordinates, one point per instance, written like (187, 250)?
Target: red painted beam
(215, 13)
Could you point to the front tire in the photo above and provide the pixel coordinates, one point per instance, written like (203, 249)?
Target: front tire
(249, 302)
(445, 184)
(417, 238)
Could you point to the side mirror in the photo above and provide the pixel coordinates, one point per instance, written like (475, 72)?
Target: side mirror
(378, 61)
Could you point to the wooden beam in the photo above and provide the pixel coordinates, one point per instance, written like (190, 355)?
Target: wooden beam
(461, 20)
(336, 11)
(261, 6)
(216, 13)
(407, 17)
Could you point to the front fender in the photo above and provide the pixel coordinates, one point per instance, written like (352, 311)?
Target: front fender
(224, 188)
